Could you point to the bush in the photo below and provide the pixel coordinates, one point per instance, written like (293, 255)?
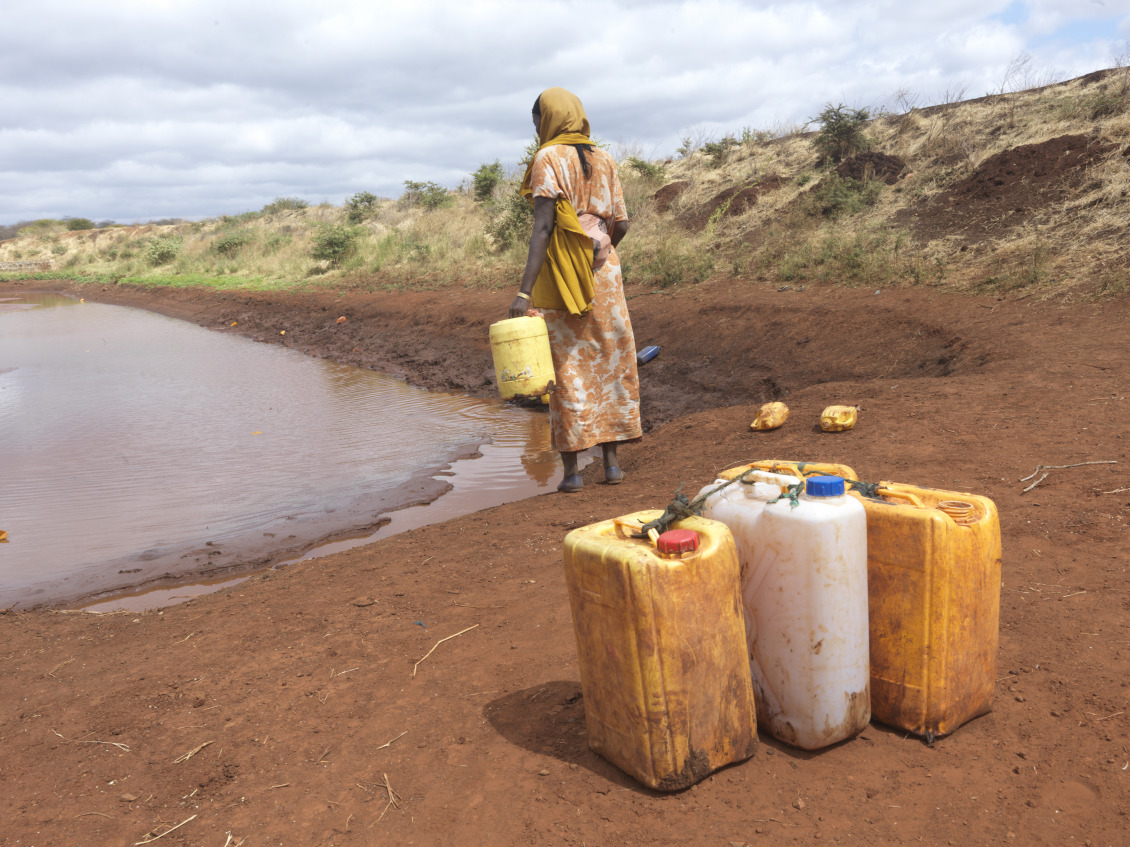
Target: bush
(75, 224)
(231, 243)
(512, 222)
(284, 204)
(58, 249)
(430, 195)
(162, 249)
(648, 170)
(42, 227)
(836, 196)
(334, 243)
(841, 132)
(485, 180)
(360, 206)
(719, 151)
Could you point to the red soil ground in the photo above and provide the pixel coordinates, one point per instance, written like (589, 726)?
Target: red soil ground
(294, 692)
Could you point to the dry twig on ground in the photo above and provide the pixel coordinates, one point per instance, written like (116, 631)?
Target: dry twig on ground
(468, 629)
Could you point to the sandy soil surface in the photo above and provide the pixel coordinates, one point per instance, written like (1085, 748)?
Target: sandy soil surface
(287, 710)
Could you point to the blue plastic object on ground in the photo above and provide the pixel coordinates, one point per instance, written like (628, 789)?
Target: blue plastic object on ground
(647, 354)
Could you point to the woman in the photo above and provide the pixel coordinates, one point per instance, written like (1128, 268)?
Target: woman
(596, 400)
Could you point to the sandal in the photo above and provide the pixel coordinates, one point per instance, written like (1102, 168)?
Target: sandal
(613, 476)
(571, 484)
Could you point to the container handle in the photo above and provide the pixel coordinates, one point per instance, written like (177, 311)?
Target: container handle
(621, 524)
(883, 491)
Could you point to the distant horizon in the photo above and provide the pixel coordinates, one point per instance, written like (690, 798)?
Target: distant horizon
(197, 110)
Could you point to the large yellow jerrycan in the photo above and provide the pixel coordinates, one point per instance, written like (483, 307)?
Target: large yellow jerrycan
(800, 470)
(934, 575)
(661, 649)
(523, 364)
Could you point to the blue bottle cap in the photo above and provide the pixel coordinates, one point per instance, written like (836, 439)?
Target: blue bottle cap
(824, 486)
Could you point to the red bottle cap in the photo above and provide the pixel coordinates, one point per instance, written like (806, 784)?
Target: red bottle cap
(678, 541)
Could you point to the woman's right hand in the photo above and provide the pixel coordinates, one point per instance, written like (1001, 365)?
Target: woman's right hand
(518, 307)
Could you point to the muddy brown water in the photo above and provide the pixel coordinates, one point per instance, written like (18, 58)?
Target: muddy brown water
(139, 450)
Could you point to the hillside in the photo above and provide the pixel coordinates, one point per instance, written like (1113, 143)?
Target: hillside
(1018, 192)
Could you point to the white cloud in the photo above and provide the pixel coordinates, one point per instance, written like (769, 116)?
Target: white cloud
(131, 110)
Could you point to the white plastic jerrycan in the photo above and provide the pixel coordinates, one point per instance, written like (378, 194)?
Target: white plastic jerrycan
(804, 590)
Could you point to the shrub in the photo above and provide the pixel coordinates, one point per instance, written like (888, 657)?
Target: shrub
(231, 243)
(58, 249)
(430, 195)
(648, 170)
(162, 249)
(485, 180)
(75, 224)
(719, 151)
(675, 262)
(841, 132)
(284, 204)
(360, 206)
(512, 221)
(42, 227)
(836, 196)
(334, 243)
(275, 243)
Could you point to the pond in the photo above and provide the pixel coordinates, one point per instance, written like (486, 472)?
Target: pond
(137, 447)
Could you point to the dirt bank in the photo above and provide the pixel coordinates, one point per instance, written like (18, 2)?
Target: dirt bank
(296, 690)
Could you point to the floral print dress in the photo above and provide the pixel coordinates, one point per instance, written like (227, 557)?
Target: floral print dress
(597, 399)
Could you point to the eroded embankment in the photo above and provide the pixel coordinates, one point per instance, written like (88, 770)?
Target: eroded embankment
(722, 343)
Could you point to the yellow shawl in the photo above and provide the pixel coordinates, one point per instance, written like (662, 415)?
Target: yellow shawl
(566, 278)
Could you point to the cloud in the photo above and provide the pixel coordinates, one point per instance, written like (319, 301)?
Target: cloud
(130, 110)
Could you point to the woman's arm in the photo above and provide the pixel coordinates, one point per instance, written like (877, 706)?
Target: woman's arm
(545, 211)
(619, 230)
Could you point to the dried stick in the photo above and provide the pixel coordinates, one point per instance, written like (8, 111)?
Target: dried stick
(147, 840)
(191, 753)
(1061, 467)
(389, 743)
(1034, 484)
(1116, 491)
(51, 673)
(468, 629)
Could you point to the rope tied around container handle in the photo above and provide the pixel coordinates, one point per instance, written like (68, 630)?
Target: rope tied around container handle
(681, 508)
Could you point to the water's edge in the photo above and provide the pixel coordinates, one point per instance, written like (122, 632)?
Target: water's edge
(223, 558)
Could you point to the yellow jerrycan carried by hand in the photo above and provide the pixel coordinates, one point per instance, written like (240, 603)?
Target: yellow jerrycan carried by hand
(661, 648)
(934, 576)
(523, 363)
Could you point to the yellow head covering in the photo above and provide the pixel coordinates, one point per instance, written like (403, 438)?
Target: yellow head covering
(566, 278)
(563, 121)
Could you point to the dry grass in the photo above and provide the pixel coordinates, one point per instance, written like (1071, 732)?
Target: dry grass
(1071, 249)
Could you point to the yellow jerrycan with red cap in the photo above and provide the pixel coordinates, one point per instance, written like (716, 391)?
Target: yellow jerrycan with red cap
(934, 576)
(661, 647)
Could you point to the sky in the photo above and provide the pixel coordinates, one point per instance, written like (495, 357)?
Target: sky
(134, 110)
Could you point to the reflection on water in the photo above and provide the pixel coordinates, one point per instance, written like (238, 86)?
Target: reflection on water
(131, 441)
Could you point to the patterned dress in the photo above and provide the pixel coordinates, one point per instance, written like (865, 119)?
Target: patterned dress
(594, 355)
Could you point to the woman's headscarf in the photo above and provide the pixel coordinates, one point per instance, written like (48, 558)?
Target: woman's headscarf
(563, 121)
